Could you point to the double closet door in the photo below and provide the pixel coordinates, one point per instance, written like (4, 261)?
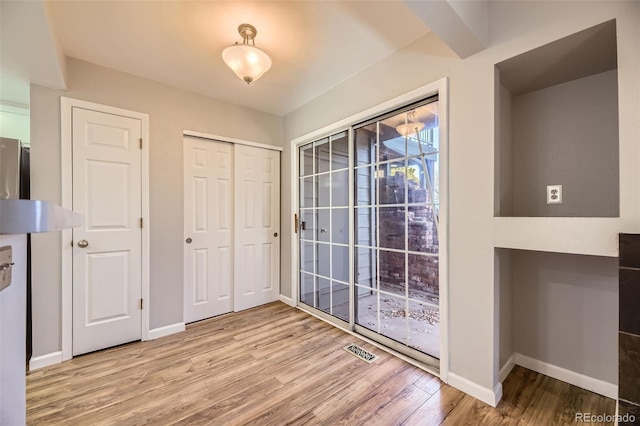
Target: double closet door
(231, 227)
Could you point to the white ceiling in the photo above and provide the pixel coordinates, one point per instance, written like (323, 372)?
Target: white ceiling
(314, 45)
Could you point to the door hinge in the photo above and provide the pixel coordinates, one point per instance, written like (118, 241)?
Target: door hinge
(141, 304)
(295, 223)
(140, 222)
(140, 143)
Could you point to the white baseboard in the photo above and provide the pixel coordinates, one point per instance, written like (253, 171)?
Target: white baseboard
(42, 361)
(156, 333)
(486, 395)
(287, 300)
(507, 367)
(585, 382)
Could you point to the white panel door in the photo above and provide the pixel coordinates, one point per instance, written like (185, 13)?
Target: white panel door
(107, 248)
(257, 226)
(208, 221)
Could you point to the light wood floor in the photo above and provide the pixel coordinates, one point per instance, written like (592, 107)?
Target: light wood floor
(276, 365)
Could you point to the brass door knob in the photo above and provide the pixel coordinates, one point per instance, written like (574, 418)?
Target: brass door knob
(188, 240)
(83, 243)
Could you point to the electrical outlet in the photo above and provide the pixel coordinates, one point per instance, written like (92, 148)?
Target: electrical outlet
(554, 194)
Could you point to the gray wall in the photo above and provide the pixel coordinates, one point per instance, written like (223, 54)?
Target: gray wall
(504, 283)
(516, 27)
(568, 135)
(170, 112)
(504, 153)
(565, 311)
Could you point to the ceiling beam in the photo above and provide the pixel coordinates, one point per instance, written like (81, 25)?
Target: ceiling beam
(462, 24)
(30, 49)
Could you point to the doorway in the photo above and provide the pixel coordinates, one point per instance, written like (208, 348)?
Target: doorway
(370, 229)
(105, 261)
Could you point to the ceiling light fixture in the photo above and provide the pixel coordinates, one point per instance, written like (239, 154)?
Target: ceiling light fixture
(246, 60)
(410, 127)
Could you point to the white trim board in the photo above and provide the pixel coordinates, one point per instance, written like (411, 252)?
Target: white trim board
(230, 140)
(46, 360)
(486, 395)
(507, 368)
(66, 107)
(167, 330)
(577, 379)
(287, 301)
(439, 87)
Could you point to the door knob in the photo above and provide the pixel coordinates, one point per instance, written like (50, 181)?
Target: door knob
(83, 243)
(188, 240)
(275, 234)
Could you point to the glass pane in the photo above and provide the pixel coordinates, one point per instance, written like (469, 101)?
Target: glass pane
(339, 151)
(392, 181)
(365, 226)
(323, 260)
(340, 188)
(321, 149)
(306, 191)
(340, 300)
(307, 224)
(324, 296)
(340, 226)
(424, 328)
(423, 278)
(426, 140)
(323, 227)
(324, 189)
(365, 143)
(306, 160)
(391, 227)
(423, 235)
(392, 272)
(393, 321)
(392, 144)
(340, 265)
(307, 292)
(307, 258)
(365, 186)
(367, 308)
(365, 267)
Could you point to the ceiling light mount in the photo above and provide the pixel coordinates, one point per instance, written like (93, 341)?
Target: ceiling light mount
(246, 60)
(248, 33)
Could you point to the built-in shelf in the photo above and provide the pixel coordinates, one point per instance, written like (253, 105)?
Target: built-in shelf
(556, 112)
(573, 235)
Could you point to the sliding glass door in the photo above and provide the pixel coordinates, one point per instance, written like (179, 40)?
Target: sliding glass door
(324, 225)
(391, 242)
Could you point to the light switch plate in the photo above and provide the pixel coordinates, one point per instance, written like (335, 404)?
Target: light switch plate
(5, 272)
(554, 194)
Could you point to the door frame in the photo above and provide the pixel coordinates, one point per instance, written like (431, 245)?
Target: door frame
(66, 114)
(440, 88)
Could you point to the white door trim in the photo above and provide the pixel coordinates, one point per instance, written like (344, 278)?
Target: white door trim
(66, 106)
(439, 87)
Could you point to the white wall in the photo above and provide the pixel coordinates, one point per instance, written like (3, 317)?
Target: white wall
(171, 111)
(516, 27)
(13, 312)
(14, 121)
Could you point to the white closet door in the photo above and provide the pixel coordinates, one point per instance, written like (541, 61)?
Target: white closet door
(208, 222)
(257, 226)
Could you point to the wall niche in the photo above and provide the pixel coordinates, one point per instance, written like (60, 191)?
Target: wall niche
(557, 124)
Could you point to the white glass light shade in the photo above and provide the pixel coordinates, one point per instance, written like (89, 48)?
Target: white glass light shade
(410, 128)
(246, 61)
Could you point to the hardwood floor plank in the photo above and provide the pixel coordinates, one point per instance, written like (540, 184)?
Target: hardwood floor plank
(276, 365)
